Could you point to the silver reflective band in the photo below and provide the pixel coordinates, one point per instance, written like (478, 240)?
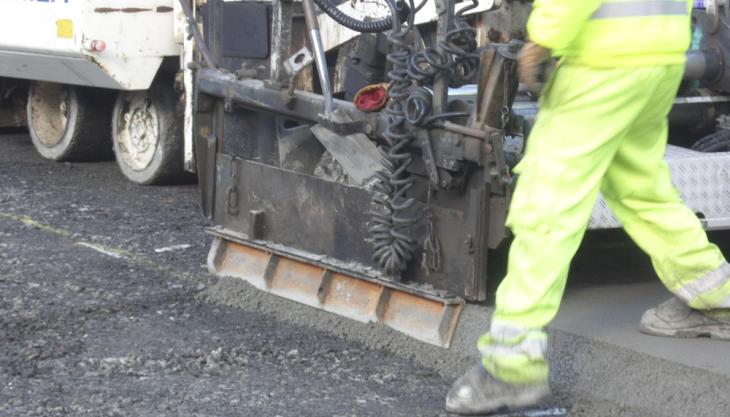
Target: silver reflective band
(504, 331)
(532, 348)
(709, 282)
(641, 8)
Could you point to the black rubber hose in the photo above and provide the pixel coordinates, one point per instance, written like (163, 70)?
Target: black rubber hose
(372, 26)
(716, 142)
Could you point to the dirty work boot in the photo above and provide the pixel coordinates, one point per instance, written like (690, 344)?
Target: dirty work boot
(477, 392)
(675, 319)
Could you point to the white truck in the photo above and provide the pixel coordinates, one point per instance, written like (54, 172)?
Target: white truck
(94, 79)
(102, 78)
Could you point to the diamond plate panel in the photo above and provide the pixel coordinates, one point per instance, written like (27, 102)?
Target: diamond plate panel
(702, 180)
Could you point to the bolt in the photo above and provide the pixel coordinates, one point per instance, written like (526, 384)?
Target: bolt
(494, 35)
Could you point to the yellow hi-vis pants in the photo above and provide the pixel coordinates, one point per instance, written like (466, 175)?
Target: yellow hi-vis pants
(597, 130)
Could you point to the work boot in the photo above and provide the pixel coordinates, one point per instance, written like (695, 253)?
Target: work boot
(674, 318)
(477, 392)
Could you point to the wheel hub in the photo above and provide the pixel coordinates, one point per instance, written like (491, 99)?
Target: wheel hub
(50, 112)
(137, 132)
(142, 129)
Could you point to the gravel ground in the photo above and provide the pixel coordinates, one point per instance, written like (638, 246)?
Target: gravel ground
(106, 309)
(95, 322)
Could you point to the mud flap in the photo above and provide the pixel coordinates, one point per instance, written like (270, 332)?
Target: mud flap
(425, 317)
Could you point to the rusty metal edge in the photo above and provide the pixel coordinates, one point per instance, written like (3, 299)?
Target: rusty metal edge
(238, 238)
(451, 308)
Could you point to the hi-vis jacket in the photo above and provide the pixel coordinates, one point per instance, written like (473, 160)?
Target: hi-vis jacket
(613, 33)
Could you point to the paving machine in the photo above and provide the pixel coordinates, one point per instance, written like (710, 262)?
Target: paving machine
(356, 157)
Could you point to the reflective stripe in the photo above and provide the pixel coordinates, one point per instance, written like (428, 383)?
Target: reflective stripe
(532, 348)
(509, 340)
(614, 10)
(502, 331)
(709, 282)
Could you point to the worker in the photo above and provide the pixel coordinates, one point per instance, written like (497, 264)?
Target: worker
(602, 127)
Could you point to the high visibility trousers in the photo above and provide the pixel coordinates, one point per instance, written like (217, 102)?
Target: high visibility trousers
(597, 130)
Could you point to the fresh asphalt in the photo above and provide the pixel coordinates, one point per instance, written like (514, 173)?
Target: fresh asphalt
(107, 310)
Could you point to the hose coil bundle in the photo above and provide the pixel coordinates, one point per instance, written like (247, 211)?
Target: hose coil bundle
(459, 44)
(390, 219)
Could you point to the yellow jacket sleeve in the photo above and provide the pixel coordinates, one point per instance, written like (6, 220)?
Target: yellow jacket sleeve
(555, 23)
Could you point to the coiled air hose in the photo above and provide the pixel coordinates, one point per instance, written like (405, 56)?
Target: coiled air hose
(716, 142)
(460, 44)
(392, 215)
(362, 26)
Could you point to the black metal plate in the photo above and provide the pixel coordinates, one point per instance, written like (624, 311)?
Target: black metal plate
(319, 218)
(246, 30)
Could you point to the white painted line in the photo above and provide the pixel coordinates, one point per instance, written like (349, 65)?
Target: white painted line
(172, 248)
(100, 250)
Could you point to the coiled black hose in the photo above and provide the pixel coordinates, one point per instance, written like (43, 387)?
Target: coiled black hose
(460, 44)
(419, 105)
(716, 142)
(373, 26)
(390, 221)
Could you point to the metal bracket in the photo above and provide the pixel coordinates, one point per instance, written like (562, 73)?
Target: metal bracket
(297, 62)
(232, 193)
(498, 172)
(293, 66)
(345, 128)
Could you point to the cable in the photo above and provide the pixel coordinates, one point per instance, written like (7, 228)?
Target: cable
(460, 44)
(374, 26)
(418, 108)
(195, 33)
(716, 142)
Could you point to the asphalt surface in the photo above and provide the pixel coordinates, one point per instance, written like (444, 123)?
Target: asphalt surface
(106, 309)
(95, 322)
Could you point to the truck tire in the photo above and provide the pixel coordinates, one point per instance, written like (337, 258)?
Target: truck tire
(69, 123)
(147, 135)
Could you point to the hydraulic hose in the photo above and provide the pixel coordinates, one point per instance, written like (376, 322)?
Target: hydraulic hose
(716, 142)
(362, 26)
(393, 215)
(193, 30)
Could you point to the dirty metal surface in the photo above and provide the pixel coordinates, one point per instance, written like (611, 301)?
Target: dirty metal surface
(426, 318)
(328, 220)
(702, 180)
(358, 155)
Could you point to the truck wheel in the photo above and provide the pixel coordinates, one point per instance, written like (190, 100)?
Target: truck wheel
(69, 123)
(147, 135)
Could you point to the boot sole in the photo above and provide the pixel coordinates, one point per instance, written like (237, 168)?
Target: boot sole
(712, 332)
(521, 401)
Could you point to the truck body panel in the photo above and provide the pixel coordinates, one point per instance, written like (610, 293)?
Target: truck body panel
(117, 44)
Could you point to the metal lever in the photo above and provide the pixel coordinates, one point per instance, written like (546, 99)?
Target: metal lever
(310, 17)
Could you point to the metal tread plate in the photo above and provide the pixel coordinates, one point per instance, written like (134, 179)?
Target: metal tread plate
(702, 181)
